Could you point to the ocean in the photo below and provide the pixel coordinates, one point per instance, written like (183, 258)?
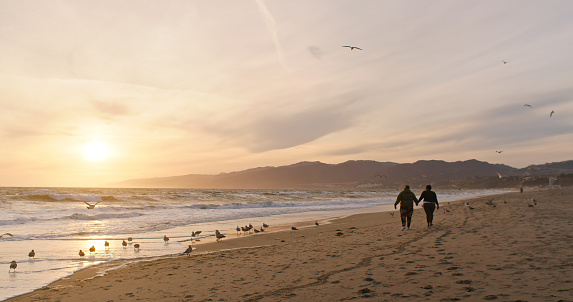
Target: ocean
(56, 222)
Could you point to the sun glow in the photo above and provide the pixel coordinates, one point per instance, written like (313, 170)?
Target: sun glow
(96, 151)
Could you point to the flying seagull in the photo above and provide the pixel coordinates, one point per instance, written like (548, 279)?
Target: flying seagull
(499, 151)
(551, 114)
(91, 206)
(6, 234)
(527, 105)
(352, 47)
(504, 62)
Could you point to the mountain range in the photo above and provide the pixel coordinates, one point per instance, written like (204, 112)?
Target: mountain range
(369, 174)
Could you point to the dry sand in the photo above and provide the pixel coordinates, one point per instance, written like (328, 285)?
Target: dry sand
(503, 252)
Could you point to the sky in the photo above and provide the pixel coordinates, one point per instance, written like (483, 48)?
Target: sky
(94, 92)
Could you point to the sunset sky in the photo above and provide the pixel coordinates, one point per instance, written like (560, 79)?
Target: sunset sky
(94, 92)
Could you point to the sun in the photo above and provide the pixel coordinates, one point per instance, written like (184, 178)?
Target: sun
(96, 151)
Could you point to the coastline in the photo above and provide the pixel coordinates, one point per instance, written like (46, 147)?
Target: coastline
(308, 264)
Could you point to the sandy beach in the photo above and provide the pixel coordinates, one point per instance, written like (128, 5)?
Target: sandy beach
(509, 247)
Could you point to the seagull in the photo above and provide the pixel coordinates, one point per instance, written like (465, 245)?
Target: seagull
(219, 235)
(529, 205)
(188, 251)
(81, 253)
(262, 229)
(129, 239)
(165, 238)
(527, 105)
(124, 243)
(92, 249)
(265, 225)
(106, 244)
(136, 246)
(499, 151)
(352, 47)
(91, 206)
(238, 229)
(292, 228)
(13, 265)
(447, 211)
(498, 174)
(504, 62)
(316, 223)
(32, 254)
(551, 114)
(256, 231)
(534, 201)
(6, 234)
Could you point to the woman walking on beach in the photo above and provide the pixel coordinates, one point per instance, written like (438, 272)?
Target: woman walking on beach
(406, 199)
(430, 204)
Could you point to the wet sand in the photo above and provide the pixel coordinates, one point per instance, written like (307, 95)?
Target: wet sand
(501, 250)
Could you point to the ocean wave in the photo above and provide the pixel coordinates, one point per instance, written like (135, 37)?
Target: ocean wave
(82, 216)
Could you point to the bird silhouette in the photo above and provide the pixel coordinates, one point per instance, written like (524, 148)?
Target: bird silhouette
(91, 206)
(106, 244)
(13, 265)
(219, 235)
(499, 151)
(136, 246)
(293, 228)
(265, 225)
(92, 249)
(165, 238)
(316, 223)
(352, 47)
(188, 250)
(32, 254)
(551, 114)
(504, 62)
(124, 243)
(527, 105)
(81, 253)
(6, 234)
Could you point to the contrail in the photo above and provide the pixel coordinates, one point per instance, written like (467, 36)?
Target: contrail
(271, 25)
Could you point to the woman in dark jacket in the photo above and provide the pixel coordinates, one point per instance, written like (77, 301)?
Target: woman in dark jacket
(430, 204)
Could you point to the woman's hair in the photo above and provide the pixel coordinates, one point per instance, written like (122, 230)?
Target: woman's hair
(428, 187)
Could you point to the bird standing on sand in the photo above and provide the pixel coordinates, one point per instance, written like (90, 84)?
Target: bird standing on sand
(165, 239)
(316, 223)
(6, 234)
(136, 246)
(124, 243)
(91, 206)
(92, 249)
(238, 229)
(292, 228)
(106, 244)
(265, 225)
(352, 47)
(13, 265)
(219, 235)
(188, 251)
(32, 254)
(129, 239)
(81, 253)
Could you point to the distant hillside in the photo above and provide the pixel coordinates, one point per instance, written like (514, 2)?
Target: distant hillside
(363, 174)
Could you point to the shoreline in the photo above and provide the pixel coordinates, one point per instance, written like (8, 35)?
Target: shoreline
(262, 242)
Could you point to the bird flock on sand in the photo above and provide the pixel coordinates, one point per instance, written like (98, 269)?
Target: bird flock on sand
(248, 229)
